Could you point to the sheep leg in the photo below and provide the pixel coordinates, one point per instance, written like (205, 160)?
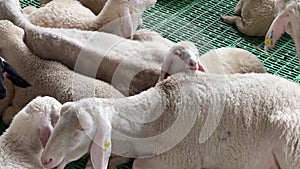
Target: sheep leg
(229, 19)
(238, 7)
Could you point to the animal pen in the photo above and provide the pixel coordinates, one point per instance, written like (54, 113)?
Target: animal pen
(199, 21)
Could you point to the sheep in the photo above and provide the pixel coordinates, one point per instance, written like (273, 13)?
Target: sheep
(141, 58)
(287, 21)
(8, 71)
(22, 143)
(184, 55)
(187, 121)
(255, 17)
(230, 60)
(94, 5)
(47, 77)
(218, 61)
(118, 16)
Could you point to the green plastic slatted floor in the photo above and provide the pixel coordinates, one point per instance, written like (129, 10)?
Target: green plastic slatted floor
(199, 21)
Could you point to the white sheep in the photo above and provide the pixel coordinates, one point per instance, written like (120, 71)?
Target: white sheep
(217, 61)
(131, 66)
(118, 16)
(22, 143)
(255, 16)
(287, 21)
(231, 60)
(47, 77)
(187, 121)
(182, 56)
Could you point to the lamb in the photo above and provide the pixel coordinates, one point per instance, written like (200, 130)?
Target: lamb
(243, 122)
(229, 60)
(22, 143)
(48, 78)
(184, 55)
(118, 16)
(8, 71)
(131, 66)
(217, 61)
(287, 21)
(255, 17)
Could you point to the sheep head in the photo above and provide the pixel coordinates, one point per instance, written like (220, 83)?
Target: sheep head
(182, 56)
(40, 115)
(77, 131)
(287, 20)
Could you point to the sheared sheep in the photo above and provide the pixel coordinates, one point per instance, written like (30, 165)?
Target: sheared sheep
(255, 17)
(22, 143)
(287, 21)
(244, 121)
(9, 72)
(118, 16)
(48, 78)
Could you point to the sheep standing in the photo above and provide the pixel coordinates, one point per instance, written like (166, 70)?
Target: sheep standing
(48, 78)
(118, 16)
(256, 116)
(255, 17)
(22, 143)
(287, 21)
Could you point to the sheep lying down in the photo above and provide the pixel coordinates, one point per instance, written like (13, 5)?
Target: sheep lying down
(22, 143)
(117, 16)
(189, 120)
(48, 78)
(254, 16)
(9, 72)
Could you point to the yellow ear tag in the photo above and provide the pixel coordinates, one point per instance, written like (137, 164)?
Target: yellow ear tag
(106, 145)
(268, 42)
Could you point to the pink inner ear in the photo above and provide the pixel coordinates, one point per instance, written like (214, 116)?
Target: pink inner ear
(200, 67)
(44, 133)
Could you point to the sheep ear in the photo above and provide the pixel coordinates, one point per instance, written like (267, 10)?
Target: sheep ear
(200, 68)
(13, 76)
(126, 23)
(277, 28)
(101, 146)
(45, 130)
(165, 69)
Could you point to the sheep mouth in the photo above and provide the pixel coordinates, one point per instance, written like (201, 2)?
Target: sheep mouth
(60, 165)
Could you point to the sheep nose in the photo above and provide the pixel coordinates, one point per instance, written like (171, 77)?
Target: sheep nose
(192, 64)
(46, 161)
